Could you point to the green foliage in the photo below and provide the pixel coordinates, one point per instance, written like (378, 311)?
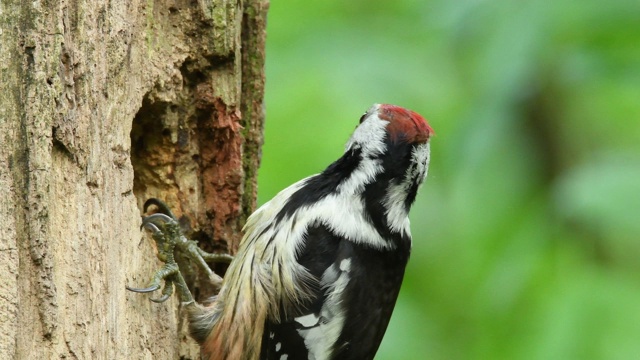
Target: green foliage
(527, 231)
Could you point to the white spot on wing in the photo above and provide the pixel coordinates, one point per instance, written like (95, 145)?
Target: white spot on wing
(284, 357)
(278, 346)
(308, 320)
(345, 265)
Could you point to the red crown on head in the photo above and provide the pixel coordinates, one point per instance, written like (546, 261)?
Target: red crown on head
(405, 124)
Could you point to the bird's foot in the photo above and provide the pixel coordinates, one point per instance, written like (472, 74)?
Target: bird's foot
(170, 239)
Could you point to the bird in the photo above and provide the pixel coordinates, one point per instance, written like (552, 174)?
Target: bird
(319, 268)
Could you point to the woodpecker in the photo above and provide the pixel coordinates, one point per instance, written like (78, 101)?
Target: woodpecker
(319, 268)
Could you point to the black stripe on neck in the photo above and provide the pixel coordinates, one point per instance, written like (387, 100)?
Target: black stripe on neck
(395, 163)
(320, 186)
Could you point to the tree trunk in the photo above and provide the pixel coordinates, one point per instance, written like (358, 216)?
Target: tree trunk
(102, 105)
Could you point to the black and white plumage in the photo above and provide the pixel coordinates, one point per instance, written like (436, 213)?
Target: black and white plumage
(320, 266)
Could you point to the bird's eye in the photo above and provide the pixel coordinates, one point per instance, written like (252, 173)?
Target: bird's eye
(362, 117)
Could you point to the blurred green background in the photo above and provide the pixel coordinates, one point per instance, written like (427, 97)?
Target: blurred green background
(527, 230)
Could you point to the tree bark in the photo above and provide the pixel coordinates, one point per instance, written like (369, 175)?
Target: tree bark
(104, 104)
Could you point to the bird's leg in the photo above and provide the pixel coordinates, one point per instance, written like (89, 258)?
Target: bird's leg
(170, 239)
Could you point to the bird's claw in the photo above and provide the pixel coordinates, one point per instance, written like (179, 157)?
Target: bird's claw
(166, 292)
(161, 299)
(158, 220)
(149, 289)
(162, 207)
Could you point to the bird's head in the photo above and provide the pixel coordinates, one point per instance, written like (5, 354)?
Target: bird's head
(394, 136)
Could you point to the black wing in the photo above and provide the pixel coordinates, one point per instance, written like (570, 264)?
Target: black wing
(351, 307)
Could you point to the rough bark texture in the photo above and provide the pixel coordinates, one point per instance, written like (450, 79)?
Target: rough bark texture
(102, 105)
